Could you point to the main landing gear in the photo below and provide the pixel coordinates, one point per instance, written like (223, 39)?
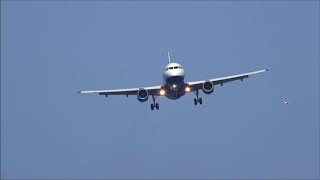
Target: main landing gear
(197, 100)
(154, 105)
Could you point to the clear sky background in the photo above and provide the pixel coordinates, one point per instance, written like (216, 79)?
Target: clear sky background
(51, 50)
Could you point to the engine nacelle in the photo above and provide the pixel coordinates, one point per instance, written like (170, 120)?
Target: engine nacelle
(207, 87)
(142, 95)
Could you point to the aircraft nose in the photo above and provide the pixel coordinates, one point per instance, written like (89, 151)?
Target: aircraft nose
(177, 72)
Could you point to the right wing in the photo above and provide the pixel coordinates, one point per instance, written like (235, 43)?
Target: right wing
(198, 84)
(154, 90)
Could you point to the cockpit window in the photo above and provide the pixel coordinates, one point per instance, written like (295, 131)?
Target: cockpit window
(175, 67)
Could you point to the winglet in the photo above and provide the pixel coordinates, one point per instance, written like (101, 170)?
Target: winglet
(169, 59)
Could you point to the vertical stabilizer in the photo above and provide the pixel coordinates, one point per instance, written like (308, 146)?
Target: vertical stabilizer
(169, 59)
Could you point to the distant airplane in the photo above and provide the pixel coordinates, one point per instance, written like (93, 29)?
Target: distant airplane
(174, 86)
(286, 102)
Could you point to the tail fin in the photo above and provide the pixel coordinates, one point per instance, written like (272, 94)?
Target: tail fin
(169, 59)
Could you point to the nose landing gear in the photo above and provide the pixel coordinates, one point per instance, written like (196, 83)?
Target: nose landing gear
(197, 100)
(154, 105)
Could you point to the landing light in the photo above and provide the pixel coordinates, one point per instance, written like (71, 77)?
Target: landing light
(174, 86)
(188, 89)
(162, 92)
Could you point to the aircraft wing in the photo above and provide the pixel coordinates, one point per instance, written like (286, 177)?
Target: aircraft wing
(198, 84)
(131, 91)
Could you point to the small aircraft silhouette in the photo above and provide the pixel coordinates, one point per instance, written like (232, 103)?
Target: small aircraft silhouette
(286, 102)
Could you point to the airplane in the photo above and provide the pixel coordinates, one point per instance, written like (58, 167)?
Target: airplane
(285, 102)
(174, 86)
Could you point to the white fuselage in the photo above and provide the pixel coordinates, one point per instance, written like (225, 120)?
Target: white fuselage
(173, 80)
(172, 70)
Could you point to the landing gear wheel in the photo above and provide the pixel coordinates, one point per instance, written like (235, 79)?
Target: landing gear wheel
(195, 101)
(152, 107)
(157, 106)
(200, 100)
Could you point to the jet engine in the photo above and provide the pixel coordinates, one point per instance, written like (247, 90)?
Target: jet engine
(142, 95)
(207, 87)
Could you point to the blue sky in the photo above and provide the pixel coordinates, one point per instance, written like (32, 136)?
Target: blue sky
(51, 50)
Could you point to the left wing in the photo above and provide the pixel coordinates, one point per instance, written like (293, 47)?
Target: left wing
(198, 84)
(154, 90)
